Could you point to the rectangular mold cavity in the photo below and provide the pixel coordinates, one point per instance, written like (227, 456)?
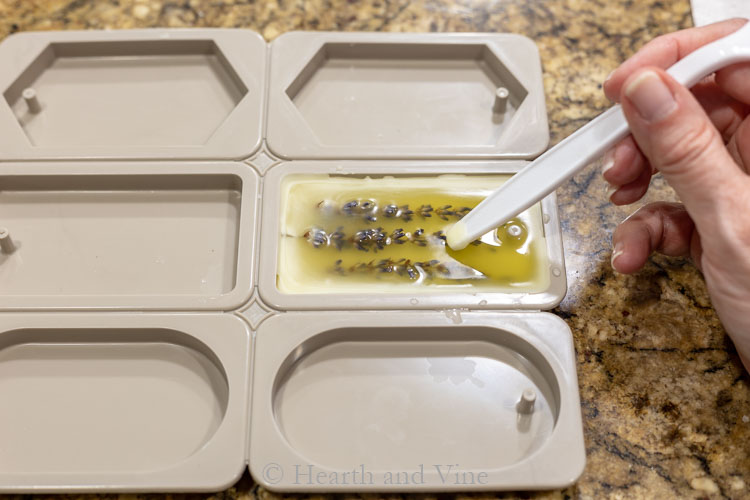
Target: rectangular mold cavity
(144, 236)
(144, 92)
(174, 94)
(126, 402)
(345, 95)
(414, 401)
(403, 276)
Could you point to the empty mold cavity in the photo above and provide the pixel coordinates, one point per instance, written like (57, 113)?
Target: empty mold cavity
(368, 94)
(398, 397)
(95, 401)
(125, 93)
(120, 235)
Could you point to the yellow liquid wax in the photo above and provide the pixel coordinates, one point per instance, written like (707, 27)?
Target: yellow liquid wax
(343, 234)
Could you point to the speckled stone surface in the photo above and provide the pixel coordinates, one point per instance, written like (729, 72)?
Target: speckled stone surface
(665, 403)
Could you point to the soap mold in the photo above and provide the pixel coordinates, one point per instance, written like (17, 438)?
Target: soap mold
(126, 402)
(143, 342)
(477, 299)
(141, 94)
(408, 391)
(128, 235)
(459, 96)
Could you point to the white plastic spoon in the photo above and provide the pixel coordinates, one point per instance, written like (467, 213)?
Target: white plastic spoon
(553, 168)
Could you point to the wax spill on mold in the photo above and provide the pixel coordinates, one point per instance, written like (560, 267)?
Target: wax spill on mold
(386, 234)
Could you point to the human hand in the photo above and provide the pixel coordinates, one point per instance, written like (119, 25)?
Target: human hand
(700, 142)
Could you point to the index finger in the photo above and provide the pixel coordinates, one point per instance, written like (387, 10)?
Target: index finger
(665, 50)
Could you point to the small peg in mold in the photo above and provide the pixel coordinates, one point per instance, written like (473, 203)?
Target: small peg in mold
(525, 405)
(32, 101)
(6, 243)
(501, 100)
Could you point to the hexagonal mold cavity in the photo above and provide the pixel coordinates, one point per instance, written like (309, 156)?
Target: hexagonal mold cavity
(159, 93)
(355, 96)
(400, 95)
(135, 95)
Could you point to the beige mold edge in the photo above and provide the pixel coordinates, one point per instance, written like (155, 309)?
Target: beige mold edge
(447, 301)
(96, 235)
(402, 411)
(314, 76)
(190, 123)
(173, 390)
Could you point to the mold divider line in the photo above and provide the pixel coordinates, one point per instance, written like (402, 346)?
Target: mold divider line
(266, 89)
(257, 231)
(250, 377)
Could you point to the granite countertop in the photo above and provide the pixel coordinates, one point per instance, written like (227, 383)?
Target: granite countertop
(665, 402)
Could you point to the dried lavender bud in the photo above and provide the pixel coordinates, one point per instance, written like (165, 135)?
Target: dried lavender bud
(370, 210)
(372, 238)
(401, 265)
(391, 211)
(337, 238)
(363, 267)
(387, 266)
(432, 267)
(316, 237)
(445, 212)
(380, 238)
(366, 208)
(361, 240)
(412, 272)
(425, 211)
(349, 207)
(338, 269)
(418, 238)
(403, 268)
(367, 239)
(461, 212)
(406, 214)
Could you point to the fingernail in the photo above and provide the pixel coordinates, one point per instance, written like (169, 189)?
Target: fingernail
(608, 161)
(616, 252)
(609, 76)
(611, 190)
(650, 96)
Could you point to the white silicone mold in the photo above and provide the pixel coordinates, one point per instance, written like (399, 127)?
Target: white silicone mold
(137, 170)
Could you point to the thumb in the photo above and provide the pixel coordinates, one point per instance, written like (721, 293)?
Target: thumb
(674, 132)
